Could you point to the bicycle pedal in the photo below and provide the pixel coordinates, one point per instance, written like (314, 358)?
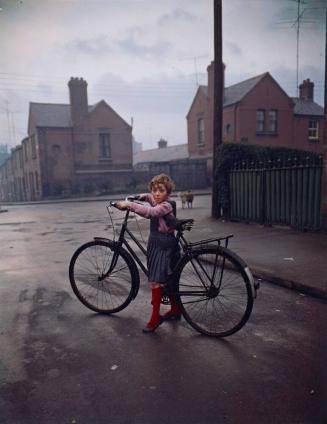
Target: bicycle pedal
(165, 300)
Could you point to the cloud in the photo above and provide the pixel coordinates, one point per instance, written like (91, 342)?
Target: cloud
(154, 52)
(176, 15)
(131, 46)
(161, 94)
(233, 48)
(90, 47)
(286, 78)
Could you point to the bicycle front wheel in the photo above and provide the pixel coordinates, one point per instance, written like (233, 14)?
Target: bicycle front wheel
(215, 293)
(103, 277)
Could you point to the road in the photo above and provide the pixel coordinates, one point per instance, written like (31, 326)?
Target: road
(61, 363)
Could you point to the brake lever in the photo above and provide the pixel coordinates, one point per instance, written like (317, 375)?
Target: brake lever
(132, 198)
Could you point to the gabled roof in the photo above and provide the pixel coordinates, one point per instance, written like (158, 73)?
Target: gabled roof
(202, 89)
(103, 102)
(164, 154)
(58, 115)
(235, 93)
(51, 115)
(307, 107)
(92, 108)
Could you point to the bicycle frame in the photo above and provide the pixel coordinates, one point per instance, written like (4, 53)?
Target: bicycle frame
(187, 248)
(122, 241)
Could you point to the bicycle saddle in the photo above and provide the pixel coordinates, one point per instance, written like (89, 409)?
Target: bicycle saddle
(184, 224)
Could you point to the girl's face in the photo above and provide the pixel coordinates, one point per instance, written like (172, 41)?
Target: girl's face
(159, 193)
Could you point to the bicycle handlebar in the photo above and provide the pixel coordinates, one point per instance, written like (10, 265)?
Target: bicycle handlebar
(128, 198)
(132, 198)
(181, 225)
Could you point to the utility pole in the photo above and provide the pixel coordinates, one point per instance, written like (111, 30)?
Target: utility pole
(217, 105)
(324, 152)
(297, 47)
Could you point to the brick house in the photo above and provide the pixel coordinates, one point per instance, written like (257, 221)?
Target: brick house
(70, 148)
(256, 111)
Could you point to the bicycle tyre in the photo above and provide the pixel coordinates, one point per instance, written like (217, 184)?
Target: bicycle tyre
(86, 270)
(224, 308)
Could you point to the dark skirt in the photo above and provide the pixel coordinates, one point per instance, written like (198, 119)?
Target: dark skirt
(161, 256)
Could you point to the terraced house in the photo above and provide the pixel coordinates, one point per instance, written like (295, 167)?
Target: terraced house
(70, 149)
(256, 111)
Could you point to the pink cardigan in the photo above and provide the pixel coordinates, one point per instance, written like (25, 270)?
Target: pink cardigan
(154, 211)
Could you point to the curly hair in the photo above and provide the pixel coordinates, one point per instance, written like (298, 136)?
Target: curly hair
(162, 179)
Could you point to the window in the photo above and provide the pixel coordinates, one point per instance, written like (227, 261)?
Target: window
(260, 128)
(228, 128)
(313, 130)
(105, 148)
(201, 132)
(272, 121)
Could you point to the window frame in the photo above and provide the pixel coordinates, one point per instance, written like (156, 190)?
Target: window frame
(314, 130)
(260, 121)
(273, 121)
(200, 140)
(105, 152)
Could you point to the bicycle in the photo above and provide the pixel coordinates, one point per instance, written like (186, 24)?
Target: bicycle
(214, 287)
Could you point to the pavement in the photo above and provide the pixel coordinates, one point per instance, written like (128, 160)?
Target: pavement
(278, 254)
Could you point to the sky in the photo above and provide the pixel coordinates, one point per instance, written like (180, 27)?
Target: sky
(146, 58)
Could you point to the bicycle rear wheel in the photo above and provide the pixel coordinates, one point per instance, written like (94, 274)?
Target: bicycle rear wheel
(215, 293)
(103, 277)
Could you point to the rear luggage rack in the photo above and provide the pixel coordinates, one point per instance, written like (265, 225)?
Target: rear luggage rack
(219, 240)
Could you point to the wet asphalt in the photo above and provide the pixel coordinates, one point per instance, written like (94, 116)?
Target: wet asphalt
(62, 363)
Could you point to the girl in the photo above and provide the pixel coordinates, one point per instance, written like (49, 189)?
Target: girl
(162, 244)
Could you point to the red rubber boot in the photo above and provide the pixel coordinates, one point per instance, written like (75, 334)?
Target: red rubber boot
(174, 314)
(156, 319)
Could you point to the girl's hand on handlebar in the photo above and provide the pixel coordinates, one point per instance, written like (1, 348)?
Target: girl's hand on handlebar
(141, 196)
(122, 205)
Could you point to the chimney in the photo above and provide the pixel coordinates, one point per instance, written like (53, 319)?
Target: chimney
(162, 144)
(211, 76)
(306, 90)
(78, 101)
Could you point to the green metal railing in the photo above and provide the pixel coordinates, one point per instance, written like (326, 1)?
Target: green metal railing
(277, 193)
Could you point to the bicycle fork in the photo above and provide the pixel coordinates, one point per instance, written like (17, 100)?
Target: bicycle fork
(112, 265)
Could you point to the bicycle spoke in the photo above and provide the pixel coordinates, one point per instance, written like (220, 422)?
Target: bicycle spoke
(98, 291)
(215, 297)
